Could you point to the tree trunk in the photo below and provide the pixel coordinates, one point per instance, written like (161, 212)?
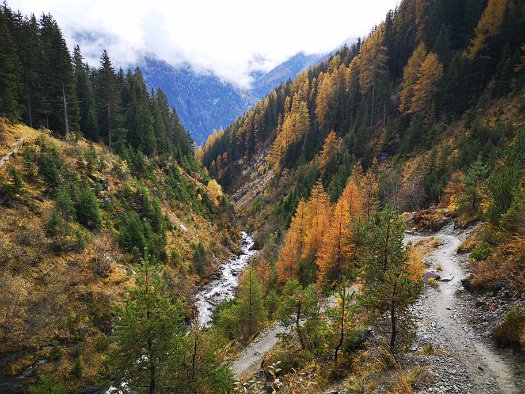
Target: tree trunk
(66, 120)
(250, 313)
(109, 125)
(151, 370)
(298, 326)
(30, 113)
(373, 102)
(387, 240)
(393, 320)
(194, 357)
(342, 330)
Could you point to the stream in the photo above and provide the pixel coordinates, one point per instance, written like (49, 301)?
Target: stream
(223, 286)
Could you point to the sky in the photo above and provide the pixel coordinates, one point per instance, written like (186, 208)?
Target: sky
(229, 38)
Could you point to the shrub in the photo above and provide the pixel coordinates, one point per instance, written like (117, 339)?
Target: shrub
(64, 203)
(55, 225)
(131, 236)
(101, 344)
(48, 384)
(481, 251)
(78, 370)
(56, 352)
(511, 332)
(49, 165)
(16, 179)
(199, 260)
(30, 162)
(87, 210)
(176, 258)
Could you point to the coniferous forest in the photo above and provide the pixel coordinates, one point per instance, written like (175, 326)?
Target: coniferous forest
(43, 85)
(360, 229)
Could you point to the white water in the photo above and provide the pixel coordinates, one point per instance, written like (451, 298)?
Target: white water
(223, 288)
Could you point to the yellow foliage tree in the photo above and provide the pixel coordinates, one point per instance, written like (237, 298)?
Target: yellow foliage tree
(336, 252)
(372, 66)
(410, 75)
(319, 212)
(488, 26)
(287, 265)
(296, 123)
(214, 191)
(331, 149)
(325, 95)
(430, 74)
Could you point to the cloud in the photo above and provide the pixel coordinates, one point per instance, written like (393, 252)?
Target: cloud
(230, 38)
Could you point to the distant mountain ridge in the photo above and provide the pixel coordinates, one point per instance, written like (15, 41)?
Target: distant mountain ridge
(204, 102)
(284, 71)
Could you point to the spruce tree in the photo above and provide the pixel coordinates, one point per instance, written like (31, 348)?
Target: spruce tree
(139, 121)
(9, 71)
(87, 210)
(30, 53)
(85, 97)
(148, 335)
(388, 286)
(58, 77)
(108, 100)
(250, 303)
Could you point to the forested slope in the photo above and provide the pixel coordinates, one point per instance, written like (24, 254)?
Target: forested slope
(424, 115)
(434, 89)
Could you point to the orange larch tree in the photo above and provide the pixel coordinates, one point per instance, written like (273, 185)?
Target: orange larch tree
(410, 75)
(329, 153)
(429, 76)
(287, 265)
(319, 212)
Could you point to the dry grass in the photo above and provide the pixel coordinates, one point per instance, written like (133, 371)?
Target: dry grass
(506, 264)
(10, 132)
(417, 253)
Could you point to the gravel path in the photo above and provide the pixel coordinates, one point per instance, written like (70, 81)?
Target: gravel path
(252, 355)
(18, 143)
(466, 361)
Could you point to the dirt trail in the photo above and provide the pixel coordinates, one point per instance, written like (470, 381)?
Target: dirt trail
(18, 143)
(470, 363)
(252, 355)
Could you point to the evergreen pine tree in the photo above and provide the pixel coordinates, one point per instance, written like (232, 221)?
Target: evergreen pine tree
(58, 77)
(85, 97)
(388, 286)
(87, 210)
(9, 71)
(148, 335)
(250, 303)
(108, 100)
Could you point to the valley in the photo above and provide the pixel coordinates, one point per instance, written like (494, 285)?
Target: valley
(356, 224)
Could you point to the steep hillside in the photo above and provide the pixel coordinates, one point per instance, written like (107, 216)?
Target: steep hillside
(415, 90)
(74, 216)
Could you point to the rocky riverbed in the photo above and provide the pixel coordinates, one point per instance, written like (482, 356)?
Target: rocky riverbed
(224, 285)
